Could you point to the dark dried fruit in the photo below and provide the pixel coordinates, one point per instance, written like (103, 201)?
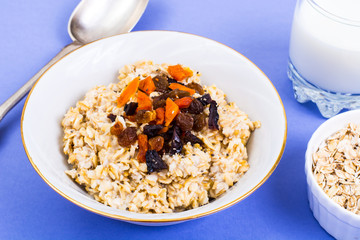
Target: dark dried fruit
(116, 129)
(205, 99)
(154, 162)
(175, 144)
(158, 102)
(130, 108)
(199, 122)
(144, 116)
(127, 137)
(197, 87)
(161, 83)
(171, 80)
(195, 107)
(152, 130)
(185, 121)
(213, 116)
(156, 143)
(112, 117)
(176, 93)
(189, 137)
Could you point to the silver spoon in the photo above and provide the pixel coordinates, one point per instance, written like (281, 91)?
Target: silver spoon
(91, 20)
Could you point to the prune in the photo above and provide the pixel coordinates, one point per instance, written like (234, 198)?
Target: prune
(197, 87)
(112, 117)
(185, 121)
(130, 108)
(152, 130)
(171, 80)
(205, 99)
(161, 83)
(154, 162)
(195, 107)
(213, 116)
(116, 129)
(127, 137)
(176, 93)
(189, 137)
(199, 122)
(175, 144)
(156, 143)
(144, 116)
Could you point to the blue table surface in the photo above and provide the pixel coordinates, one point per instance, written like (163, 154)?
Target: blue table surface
(33, 32)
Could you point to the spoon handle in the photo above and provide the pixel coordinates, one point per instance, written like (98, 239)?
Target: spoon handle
(19, 94)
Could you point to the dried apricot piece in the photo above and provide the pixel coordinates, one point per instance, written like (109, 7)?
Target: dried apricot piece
(147, 85)
(128, 92)
(171, 110)
(181, 87)
(144, 101)
(143, 147)
(160, 115)
(179, 73)
(183, 102)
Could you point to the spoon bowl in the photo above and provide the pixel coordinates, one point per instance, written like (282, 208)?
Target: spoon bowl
(90, 21)
(94, 19)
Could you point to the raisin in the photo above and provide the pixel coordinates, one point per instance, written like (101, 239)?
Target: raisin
(185, 121)
(176, 93)
(213, 116)
(161, 83)
(127, 137)
(116, 129)
(175, 144)
(196, 107)
(144, 116)
(130, 108)
(158, 103)
(199, 122)
(112, 117)
(154, 162)
(189, 137)
(205, 99)
(156, 143)
(197, 87)
(152, 130)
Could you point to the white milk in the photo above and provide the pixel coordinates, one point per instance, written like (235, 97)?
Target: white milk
(326, 50)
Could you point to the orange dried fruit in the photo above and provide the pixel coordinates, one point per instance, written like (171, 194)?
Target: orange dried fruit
(147, 85)
(181, 87)
(144, 101)
(128, 92)
(183, 102)
(179, 73)
(171, 110)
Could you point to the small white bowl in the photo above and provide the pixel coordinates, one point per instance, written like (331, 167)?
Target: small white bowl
(337, 221)
(98, 63)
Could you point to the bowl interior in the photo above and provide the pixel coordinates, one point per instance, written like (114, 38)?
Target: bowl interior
(98, 63)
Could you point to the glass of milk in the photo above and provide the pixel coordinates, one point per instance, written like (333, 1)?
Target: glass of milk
(324, 61)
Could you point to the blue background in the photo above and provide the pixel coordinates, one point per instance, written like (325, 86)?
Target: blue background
(32, 32)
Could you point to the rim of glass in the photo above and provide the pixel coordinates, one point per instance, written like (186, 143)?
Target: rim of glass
(333, 16)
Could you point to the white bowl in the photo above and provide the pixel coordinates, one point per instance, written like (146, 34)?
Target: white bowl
(98, 63)
(337, 221)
